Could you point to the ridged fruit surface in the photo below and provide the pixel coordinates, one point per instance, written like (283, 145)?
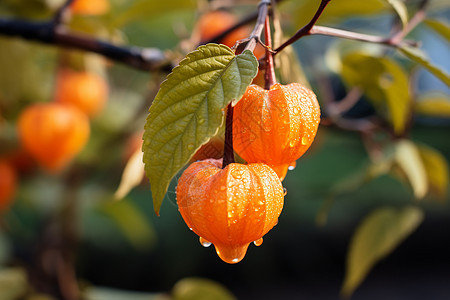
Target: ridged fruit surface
(275, 126)
(230, 207)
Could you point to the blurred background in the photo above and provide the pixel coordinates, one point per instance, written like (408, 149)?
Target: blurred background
(113, 246)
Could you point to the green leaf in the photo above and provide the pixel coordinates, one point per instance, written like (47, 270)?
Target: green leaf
(441, 27)
(149, 9)
(408, 159)
(103, 293)
(200, 289)
(383, 81)
(189, 109)
(420, 57)
(437, 171)
(375, 238)
(401, 10)
(13, 283)
(433, 105)
(132, 223)
(335, 12)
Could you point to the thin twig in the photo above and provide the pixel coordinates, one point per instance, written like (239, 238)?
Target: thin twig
(305, 29)
(269, 75)
(255, 36)
(228, 152)
(57, 19)
(395, 42)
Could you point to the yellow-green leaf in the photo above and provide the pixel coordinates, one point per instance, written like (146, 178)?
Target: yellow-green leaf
(420, 57)
(336, 11)
(441, 27)
(149, 9)
(189, 109)
(383, 81)
(436, 168)
(200, 289)
(375, 238)
(408, 159)
(13, 283)
(401, 10)
(433, 105)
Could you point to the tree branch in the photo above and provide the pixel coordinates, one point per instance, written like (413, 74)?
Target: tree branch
(45, 32)
(305, 30)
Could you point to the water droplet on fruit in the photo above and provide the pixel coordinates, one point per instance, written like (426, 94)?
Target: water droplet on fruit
(292, 166)
(258, 242)
(190, 228)
(284, 191)
(231, 254)
(205, 243)
(304, 140)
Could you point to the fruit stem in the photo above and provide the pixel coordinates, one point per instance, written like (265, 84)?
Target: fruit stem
(228, 152)
(269, 75)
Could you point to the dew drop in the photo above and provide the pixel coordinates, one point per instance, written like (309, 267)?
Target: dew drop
(284, 191)
(205, 243)
(292, 166)
(304, 140)
(258, 242)
(190, 228)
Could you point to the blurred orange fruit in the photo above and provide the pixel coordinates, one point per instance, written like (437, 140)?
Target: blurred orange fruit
(213, 23)
(8, 184)
(53, 133)
(85, 90)
(90, 7)
(275, 126)
(230, 207)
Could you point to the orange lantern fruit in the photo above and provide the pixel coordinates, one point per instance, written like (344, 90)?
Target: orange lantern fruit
(275, 126)
(53, 133)
(85, 90)
(230, 207)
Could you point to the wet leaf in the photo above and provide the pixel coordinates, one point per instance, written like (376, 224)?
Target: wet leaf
(200, 289)
(408, 159)
(375, 238)
(441, 27)
(189, 109)
(433, 105)
(437, 171)
(383, 81)
(132, 175)
(420, 57)
(401, 10)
